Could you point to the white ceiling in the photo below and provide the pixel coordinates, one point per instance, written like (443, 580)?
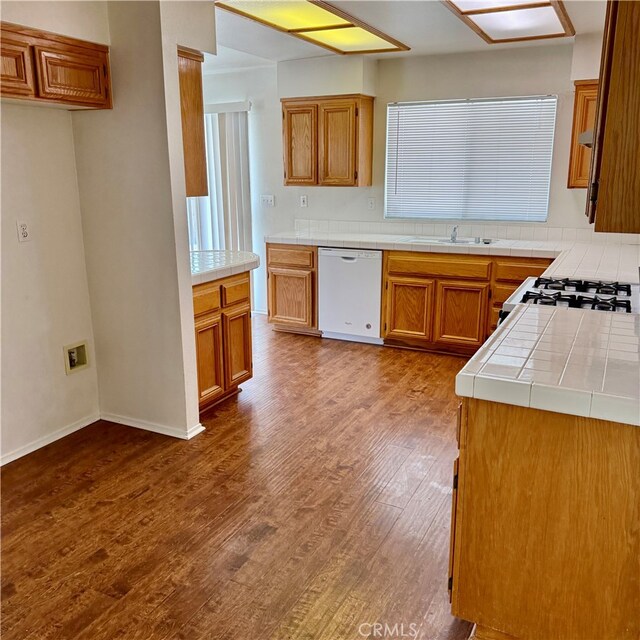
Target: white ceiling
(427, 26)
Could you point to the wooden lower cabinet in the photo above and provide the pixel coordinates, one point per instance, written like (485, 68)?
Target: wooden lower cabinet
(209, 357)
(238, 366)
(291, 287)
(409, 309)
(290, 296)
(461, 313)
(223, 337)
(545, 526)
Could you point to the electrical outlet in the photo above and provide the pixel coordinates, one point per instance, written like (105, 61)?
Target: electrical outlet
(304, 203)
(24, 233)
(371, 204)
(268, 201)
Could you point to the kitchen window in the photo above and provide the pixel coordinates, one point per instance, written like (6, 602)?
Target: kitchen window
(479, 159)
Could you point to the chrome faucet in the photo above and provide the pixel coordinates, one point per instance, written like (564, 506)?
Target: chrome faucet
(454, 234)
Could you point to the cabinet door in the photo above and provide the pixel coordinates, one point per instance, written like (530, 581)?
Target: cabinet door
(452, 539)
(300, 131)
(238, 365)
(461, 312)
(409, 308)
(78, 78)
(192, 112)
(615, 176)
(16, 69)
(584, 115)
(209, 358)
(290, 294)
(337, 143)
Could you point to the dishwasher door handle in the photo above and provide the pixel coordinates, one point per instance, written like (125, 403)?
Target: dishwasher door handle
(348, 258)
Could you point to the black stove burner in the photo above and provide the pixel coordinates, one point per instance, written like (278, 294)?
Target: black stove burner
(604, 304)
(583, 286)
(573, 301)
(557, 284)
(607, 288)
(550, 299)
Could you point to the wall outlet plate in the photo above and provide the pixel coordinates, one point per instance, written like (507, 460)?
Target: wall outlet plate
(76, 357)
(304, 202)
(24, 233)
(371, 204)
(268, 201)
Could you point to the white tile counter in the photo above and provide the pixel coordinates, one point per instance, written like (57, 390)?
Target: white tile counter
(573, 259)
(576, 361)
(212, 265)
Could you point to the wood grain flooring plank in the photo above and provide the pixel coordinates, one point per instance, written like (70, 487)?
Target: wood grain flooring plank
(316, 499)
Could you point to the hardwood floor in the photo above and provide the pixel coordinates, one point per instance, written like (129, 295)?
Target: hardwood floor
(316, 504)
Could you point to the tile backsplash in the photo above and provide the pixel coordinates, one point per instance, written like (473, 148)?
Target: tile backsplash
(493, 231)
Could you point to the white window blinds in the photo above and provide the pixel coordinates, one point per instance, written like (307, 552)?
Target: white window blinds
(484, 159)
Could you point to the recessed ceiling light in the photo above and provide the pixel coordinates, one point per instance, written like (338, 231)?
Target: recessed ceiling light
(317, 22)
(513, 20)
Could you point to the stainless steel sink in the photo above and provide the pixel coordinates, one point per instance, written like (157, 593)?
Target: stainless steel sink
(434, 240)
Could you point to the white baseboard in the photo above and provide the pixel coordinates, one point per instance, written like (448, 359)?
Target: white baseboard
(259, 312)
(45, 440)
(151, 426)
(85, 422)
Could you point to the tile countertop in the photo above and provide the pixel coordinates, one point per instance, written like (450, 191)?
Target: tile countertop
(212, 265)
(573, 259)
(576, 361)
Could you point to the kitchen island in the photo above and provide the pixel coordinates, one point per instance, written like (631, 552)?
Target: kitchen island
(222, 311)
(545, 536)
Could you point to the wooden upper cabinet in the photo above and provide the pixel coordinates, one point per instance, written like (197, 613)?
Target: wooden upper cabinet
(584, 116)
(71, 76)
(17, 69)
(192, 111)
(337, 143)
(614, 189)
(328, 140)
(300, 139)
(50, 68)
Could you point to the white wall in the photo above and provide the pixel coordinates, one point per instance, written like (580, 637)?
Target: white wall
(326, 75)
(84, 20)
(523, 71)
(45, 298)
(587, 49)
(137, 266)
(190, 24)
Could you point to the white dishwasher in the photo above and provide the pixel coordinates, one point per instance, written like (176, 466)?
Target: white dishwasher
(349, 292)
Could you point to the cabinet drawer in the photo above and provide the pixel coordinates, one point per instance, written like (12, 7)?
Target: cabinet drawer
(441, 265)
(206, 298)
(290, 256)
(234, 292)
(518, 271)
(501, 293)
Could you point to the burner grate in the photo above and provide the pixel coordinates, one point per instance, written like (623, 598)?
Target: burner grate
(603, 304)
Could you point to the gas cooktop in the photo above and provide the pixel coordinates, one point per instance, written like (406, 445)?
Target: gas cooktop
(577, 294)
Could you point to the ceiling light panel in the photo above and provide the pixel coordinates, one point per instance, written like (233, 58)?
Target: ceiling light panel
(289, 15)
(317, 22)
(484, 5)
(513, 20)
(525, 23)
(351, 40)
